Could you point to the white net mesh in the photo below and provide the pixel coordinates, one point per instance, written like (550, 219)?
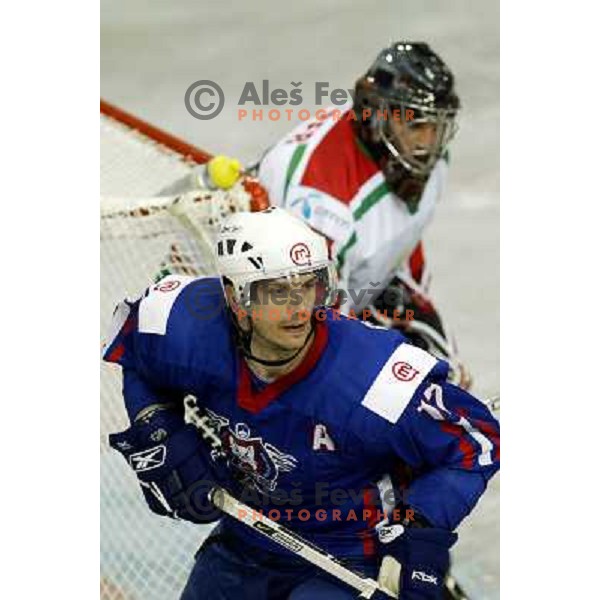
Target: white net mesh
(144, 556)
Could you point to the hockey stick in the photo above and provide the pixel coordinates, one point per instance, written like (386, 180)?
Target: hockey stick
(493, 403)
(453, 590)
(294, 543)
(278, 533)
(313, 554)
(254, 519)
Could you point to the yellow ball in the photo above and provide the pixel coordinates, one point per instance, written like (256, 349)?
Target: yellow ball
(224, 171)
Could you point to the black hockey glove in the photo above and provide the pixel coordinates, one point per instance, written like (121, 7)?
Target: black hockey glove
(173, 465)
(415, 559)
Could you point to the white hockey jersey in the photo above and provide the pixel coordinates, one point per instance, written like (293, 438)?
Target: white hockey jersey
(322, 173)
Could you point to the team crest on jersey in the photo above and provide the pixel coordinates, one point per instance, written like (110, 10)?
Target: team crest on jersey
(258, 462)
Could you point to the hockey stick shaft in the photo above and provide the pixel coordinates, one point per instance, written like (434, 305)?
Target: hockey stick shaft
(240, 511)
(293, 542)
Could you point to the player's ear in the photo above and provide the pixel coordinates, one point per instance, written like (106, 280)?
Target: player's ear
(238, 312)
(230, 295)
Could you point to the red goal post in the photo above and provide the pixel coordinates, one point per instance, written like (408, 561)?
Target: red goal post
(186, 152)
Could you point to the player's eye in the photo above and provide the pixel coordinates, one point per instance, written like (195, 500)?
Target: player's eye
(278, 289)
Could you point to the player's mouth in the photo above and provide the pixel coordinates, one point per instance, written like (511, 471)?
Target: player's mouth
(296, 328)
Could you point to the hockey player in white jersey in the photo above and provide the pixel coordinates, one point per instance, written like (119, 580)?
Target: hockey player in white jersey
(369, 177)
(324, 418)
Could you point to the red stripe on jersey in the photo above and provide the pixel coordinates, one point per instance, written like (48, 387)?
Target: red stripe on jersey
(129, 325)
(254, 402)
(338, 167)
(492, 433)
(116, 354)
(488, 429)
(466, 448)
(118, 351)
(369, 506)
(417, 262)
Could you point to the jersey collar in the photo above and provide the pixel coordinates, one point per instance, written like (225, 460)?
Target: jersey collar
(255, 401)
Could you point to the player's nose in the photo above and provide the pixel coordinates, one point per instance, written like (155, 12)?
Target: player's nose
(427, 135)
(299, 313)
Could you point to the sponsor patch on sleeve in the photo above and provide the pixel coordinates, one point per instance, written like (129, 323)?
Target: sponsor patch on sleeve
(398, 381)
(156, 307)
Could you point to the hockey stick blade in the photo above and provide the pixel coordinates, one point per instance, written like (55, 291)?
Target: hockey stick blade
(493, 403)
(453, 590)
(224, 501)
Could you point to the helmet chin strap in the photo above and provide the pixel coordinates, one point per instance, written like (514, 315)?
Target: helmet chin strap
(245, 339)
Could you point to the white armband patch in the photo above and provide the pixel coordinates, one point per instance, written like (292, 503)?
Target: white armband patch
(398, 381)
(156, 307)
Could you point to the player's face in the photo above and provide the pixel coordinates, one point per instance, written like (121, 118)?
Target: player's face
(414, 139)
(283, 312)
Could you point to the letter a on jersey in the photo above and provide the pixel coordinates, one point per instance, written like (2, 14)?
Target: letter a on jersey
(321, 439)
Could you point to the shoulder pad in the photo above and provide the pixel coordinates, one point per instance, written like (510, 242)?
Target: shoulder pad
(398, 380)
(155, 306)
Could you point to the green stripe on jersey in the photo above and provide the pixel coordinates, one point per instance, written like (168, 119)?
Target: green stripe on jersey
(341, 258)
(296, 158)
(371, 200)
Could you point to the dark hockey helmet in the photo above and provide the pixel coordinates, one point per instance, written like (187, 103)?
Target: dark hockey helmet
(407, 76)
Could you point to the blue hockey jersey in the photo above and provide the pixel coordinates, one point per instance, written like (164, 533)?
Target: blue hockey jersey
(329, 447)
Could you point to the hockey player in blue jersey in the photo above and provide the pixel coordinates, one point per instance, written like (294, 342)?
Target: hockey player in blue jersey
(343, 432)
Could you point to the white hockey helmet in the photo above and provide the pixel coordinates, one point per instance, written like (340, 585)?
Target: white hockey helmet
(272, 244)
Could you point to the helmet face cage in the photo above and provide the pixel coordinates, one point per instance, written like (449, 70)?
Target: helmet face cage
(250, 295)
(408, 75)
(421, 159)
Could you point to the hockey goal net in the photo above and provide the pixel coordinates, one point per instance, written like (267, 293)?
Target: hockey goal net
(144, 556)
